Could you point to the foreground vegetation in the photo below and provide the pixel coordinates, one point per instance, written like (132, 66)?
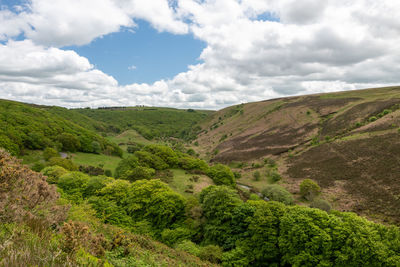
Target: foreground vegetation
(115, 221)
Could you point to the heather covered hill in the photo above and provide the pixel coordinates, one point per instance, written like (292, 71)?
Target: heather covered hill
(348, 142)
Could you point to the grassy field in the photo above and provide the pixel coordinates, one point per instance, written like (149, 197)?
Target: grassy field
(108, 162)
(182, 182)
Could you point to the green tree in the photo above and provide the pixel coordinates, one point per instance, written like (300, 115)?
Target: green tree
(278, 193)
(309, 189)
(69, 142)
(138, 173)
(50, 152)
(221, 175)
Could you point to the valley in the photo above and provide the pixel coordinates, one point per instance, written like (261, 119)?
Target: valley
(292, 181)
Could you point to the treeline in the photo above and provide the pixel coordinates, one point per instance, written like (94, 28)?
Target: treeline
(219, 226)
(27, 127)
(149, 122)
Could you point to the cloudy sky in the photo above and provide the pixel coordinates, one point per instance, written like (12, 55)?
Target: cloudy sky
(193, 53)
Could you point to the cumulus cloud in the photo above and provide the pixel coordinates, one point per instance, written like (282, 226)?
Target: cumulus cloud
(309, 46)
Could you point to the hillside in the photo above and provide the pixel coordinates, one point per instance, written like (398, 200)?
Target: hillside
(150, 122)
(348, 142)
(24, 126)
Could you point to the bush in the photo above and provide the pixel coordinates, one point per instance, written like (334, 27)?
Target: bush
(38, 166)
(91, 170)
(309, 189)
(50, 152)
(256, 176)
(53, 173)
(69, 142)
(221, 175)
(189, 247)
(108, 173)
(321, 204)
(65, 163)
(274, 176)
(74, 184)
(139, 173)
(173, 236)
(211, 253)
(278, 193)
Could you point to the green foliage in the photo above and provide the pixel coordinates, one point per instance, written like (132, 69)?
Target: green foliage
(221, 175)
(256, 176)
(50, 152)
(69, 142)
(125, 165)
(65, 163)
(25, 126)
(53, 173)
(189, 247)
(191, 163)
(218, 204)
(321, 204)
(278, 193)
(154, 201)
(74, 185)
(174, 236)
(138, 173)
(273, 176)
(150, 160)
(149, 122)
(211, 253)
(164, 152)
(309, 189)
(372, 119)
(9, 145)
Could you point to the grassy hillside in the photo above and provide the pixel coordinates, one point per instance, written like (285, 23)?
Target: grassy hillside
(150, 122)
(348, 142)
(24, 126)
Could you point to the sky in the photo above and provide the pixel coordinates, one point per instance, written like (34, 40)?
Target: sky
(205, 54)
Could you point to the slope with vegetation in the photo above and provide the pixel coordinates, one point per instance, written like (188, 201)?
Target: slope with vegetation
(348, 142)
(113, 222)
(150, 122)
(24, 126)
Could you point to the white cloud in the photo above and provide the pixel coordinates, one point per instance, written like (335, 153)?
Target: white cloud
(132, 67)
(315, 46)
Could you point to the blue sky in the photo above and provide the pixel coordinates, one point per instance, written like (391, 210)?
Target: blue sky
(154, 55)
(79, 53)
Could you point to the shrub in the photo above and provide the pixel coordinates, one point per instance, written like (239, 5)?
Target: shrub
(91, 170)
(53, 173)
(69, 142)
(173, 236)
(211, 253)
(371, 119)
(221, 175)
(50, 152)
(74, 184)
(107, 173)
(150, 160)
(278, 193)
(25, 194)
(309, 189)
(38, 166)
(138, 173)
(256, 176)
(65, 163)
(189, 247)
(274, 176)
(321, 204)
(237, 175)
(126, 165)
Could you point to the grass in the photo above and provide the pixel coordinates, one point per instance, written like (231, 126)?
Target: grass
(108, 162)
(181, 181)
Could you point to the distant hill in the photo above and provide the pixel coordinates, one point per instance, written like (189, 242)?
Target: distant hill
(348, 142)
(150, 122)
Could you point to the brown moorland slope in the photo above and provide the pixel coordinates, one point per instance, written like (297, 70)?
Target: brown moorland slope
(349, 142)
